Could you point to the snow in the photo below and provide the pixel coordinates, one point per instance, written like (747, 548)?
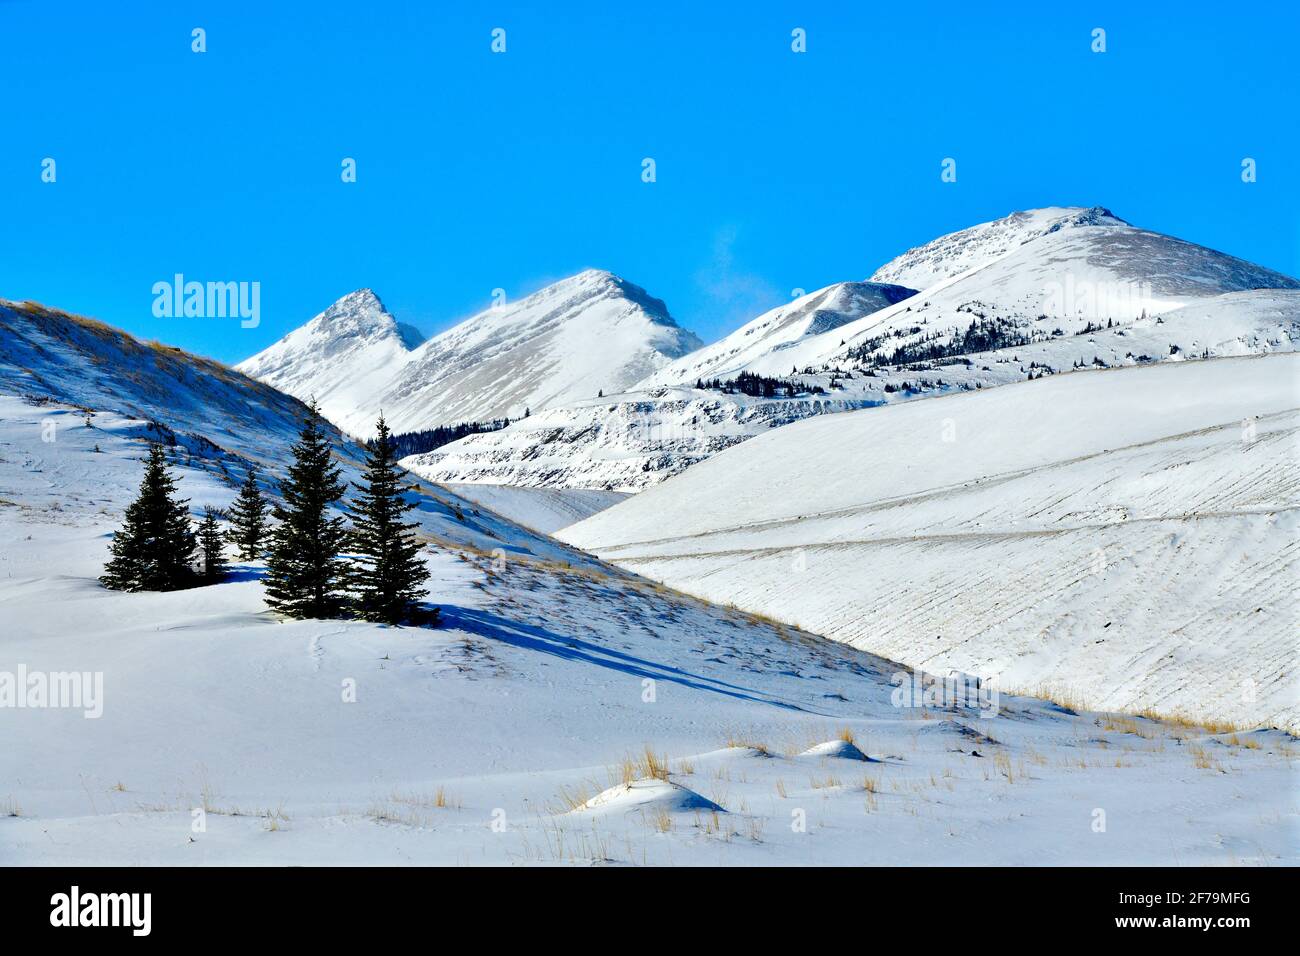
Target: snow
(1088, 289)
(620, 443)
(1115, 538)
(812, 314)
(841, 749)
(957, 252)
(1062, 279)
(632, 441)
(649, 794)
(542, 509)
(227, 736)
(589, 333)
(342, 358)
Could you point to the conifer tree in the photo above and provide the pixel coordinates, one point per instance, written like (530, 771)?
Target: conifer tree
(304, 572)
(211, 544)
(248, 519)
(390, 577)
(154, 548)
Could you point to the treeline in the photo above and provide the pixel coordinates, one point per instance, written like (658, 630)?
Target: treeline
(415, 443)
(320, 562)
(982, 335)
(759, 386)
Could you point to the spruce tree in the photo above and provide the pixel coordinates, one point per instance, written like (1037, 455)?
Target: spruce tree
(390, 577)
(304, 572)
(211, 543)
(153, 550)
(248, 519)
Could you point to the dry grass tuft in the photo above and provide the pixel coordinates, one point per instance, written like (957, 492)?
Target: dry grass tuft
(1203, 760)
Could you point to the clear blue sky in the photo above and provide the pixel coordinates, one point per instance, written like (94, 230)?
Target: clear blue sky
(475, 171)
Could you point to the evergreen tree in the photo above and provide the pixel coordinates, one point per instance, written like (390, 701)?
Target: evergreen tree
(248, 519)
(304, 572)
(211, 544)
(153, 550)
(391, 573)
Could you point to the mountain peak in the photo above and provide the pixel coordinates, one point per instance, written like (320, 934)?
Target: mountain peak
(591, 285)
(361, 303)
(942, 258)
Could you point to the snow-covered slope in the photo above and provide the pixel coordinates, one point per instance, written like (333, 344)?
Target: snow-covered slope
(342, 357)
(1038, 293)
(1129, 538)
(517, 731)
(812, 314)
(210, 416)
(622, 442)
(589, 333)
(541, 509)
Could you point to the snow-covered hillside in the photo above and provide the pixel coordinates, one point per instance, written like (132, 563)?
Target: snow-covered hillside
(618, 443)
(566, 711)
(209, 415)
(589, 333)
(342, 357)
(1039, 293)
(1125, 539)
(812, 314)
(517, 732)
(542, 509)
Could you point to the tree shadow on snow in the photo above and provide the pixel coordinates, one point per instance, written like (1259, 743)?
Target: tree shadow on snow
(533, 638)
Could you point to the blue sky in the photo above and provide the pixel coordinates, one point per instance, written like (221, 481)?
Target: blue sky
(477, 170)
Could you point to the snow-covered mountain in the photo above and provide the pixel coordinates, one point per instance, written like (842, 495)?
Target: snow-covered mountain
(956, 252)
(632, 441)
(342, 357)
(1118, 539)
(1039, 293)
(550, 679)
(589, 333)
(821, 311)
(1034, 276)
